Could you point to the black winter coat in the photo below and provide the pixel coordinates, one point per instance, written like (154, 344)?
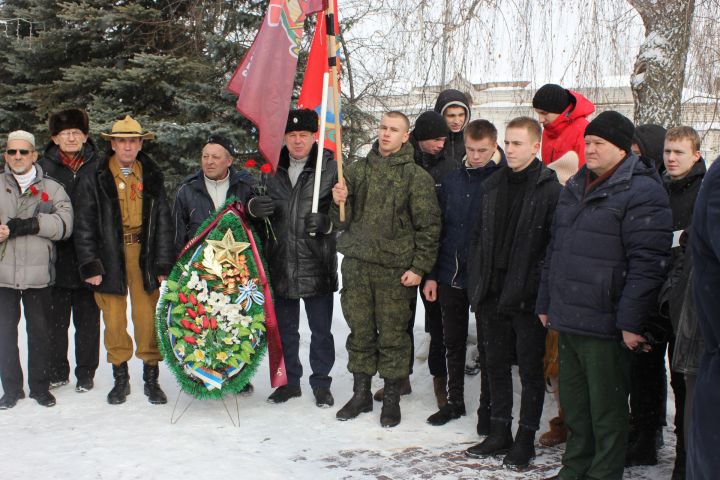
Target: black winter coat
(66, 263)
(703, 461)
(527, 253)
(436, 165)
(300, 265)
(459, 200)
(609, 253)
(454, 149)
(193, 204)
(99, 230)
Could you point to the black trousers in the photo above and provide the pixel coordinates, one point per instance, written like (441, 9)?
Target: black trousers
(433, 326)
(35, 303)
(455, 316)
(527, 334)
(322, 344)
(86, 318)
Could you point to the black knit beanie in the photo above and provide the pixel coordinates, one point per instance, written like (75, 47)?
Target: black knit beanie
(430, 125)
(67, 119)
(551, 98)
(302, 120)
(614, 127)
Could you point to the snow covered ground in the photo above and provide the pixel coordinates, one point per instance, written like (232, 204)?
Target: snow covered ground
(85, 438)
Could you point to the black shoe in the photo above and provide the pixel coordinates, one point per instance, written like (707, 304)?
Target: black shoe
(152, 388)
(323, 397)
(9, 400)
(390, 413)
(473, 368)
(284, 393)
(45, 399)
(247, 390)
(84, 385)
(121, 389)
(522, 450)
(58, 383)
(450, 411)
(361, 401)
(498, 442)
(643, 451)
(483, 421)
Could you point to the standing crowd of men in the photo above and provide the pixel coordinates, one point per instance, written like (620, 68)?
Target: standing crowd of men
(581, 227)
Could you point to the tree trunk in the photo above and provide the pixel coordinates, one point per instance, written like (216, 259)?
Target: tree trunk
(659, 74)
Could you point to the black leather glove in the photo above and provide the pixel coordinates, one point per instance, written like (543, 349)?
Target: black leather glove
(317, 223)
(261, 207)
(23, 226)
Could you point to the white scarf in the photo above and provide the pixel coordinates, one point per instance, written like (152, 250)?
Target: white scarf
(26, 179)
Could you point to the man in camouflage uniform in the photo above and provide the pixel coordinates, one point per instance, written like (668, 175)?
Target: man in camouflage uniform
(390, 240)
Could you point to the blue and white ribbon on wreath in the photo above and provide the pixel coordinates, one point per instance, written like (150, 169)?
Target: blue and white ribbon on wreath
(249, 293)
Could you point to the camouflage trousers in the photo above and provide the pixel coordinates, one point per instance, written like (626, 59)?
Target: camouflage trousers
(377, 308)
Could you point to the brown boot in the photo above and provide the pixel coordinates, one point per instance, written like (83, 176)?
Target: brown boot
(405, 389)
(557, 433)
(440, 387)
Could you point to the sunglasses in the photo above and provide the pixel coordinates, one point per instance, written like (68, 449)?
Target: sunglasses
(13, 151)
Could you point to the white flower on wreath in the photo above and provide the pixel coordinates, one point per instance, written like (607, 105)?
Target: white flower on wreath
(202, 297)
(209, 262)
(194, 279)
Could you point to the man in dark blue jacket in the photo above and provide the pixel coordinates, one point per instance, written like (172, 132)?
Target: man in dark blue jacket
(607, 259)
(703, 461)
(459, 198)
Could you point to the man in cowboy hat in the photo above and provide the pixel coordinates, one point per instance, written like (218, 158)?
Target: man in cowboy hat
(69, 155)
(124, 242)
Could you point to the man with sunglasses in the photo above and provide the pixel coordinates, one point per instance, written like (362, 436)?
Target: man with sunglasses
(34, 211)
(70, 154)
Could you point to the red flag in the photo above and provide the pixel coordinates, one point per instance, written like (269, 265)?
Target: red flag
(311, 92)
(264, 79)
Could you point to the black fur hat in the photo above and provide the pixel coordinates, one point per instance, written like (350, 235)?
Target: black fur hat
(302, 120)
(67, 119)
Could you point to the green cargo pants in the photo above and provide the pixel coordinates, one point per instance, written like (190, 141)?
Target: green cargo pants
(377, 308)
(594, 389)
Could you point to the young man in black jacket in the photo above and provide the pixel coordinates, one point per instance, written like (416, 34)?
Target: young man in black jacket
(511, 235)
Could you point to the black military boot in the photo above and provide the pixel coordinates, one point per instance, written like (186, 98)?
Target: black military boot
(152, 388)
(122, 384)
(644, 450)
(498, 442)
(361, 400)
(390, 413)
(522, 450)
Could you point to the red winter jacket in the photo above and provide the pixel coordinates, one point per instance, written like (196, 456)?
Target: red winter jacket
(567, 132)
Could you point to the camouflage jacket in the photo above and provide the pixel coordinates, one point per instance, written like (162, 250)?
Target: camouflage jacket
(392, 215)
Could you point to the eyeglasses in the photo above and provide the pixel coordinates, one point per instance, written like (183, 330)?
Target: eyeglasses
(13, 151)
(70, 133)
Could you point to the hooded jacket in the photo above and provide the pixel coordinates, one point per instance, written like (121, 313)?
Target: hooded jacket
(99, 231)
(28, 261)
(454, 149)
(300, 265)
(609, 253)
(392, 214)
(193, 204)
(66, 264)
(650, 139)
(567, 132)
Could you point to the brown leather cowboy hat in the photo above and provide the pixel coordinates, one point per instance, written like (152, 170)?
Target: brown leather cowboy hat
(126, 128)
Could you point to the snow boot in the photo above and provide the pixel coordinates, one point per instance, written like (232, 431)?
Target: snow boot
(449, 411)
(121, 389)
(405, 389)
(498, 442)
(390, 413)
(152, 388)
(483, 422)
(644, 450)
(361, 400)
(522, 450)
(441, 393)
(557, 433)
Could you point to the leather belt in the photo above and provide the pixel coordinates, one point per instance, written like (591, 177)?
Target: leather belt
(131, 238)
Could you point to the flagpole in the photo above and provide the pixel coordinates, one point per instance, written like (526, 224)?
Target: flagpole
(321, 145)
(332, 61)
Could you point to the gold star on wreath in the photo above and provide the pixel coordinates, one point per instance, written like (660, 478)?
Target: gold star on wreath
(227, 249)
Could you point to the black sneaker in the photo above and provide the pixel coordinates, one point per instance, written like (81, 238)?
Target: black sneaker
(9, 400)
(45, 399)
(84, 385)
(58, 383)
(323, 397)
(284, 393)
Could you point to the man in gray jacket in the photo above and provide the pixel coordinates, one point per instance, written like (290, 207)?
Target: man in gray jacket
(34, 211)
